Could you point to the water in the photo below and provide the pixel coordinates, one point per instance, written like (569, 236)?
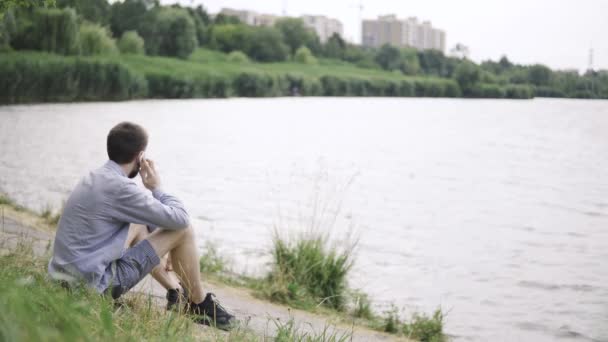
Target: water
(497, 211)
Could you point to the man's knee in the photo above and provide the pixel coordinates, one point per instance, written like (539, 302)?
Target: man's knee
(188, 233)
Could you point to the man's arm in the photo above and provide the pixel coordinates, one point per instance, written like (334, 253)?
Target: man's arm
(136, 205)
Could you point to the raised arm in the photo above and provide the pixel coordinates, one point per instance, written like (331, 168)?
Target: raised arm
(159, 209)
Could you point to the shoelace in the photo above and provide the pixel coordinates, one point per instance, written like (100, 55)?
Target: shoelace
(216, 303)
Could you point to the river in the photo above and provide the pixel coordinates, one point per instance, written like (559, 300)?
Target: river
(495, 210)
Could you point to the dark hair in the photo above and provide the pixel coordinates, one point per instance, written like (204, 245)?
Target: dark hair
(125, 141)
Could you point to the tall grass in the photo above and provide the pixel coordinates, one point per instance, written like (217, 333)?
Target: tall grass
(307, 271)
(291, 332)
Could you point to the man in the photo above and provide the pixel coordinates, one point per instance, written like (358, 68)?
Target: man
(94, 230)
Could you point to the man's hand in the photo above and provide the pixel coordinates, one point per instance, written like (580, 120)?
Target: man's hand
(149, 176)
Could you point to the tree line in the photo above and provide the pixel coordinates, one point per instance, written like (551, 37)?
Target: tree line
(96, 27)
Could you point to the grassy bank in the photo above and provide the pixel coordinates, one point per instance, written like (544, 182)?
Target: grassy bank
(308, 272)
(37, 309)
(27, 77)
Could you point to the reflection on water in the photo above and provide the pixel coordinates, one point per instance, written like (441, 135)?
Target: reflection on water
(495, 210)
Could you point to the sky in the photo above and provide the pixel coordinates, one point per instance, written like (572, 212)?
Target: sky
(557, 33)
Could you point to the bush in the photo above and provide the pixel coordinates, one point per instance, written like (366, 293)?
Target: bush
(307, 271)
(47, 78)
(161, 85)
(514, 91)
(267, 45)
(425, 329)
(131, 43)
(231, 37)
(334, 86)
(543, 91)
(300, 85)
(304, 56)
(248, 84)
(96, 40)
(487, 91)
(238, 57)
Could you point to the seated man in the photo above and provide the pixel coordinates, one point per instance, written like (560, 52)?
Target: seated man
(92, 232)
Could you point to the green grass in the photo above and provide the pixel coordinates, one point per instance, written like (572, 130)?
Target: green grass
(291, 332)
(5, 200)
(36, 309)
(307, 272)
(210, 62)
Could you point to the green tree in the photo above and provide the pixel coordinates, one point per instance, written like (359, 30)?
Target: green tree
(433, 62)
(96, 11)
(467, 75)
(8, 28)
(96, 40)
(168, 32)
(539, 75)
(388, 57)
(222, 19)
(410, 65)
(296, 34)
(131, 43)
(335, 47)
(127, 15)
(5, 5)
(54, 30)
(304, 56)
(201, 24)
(362, 57)
(267, 45)
(232, 37)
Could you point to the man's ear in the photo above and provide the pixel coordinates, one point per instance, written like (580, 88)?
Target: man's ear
(140, 156)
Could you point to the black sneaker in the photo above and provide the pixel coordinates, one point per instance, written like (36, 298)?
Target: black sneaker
(211, 312)
(176, 297)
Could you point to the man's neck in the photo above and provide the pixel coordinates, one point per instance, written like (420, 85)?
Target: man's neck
(127, 168)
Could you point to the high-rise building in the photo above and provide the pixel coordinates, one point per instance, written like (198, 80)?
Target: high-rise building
(389, 29)
(324, 27)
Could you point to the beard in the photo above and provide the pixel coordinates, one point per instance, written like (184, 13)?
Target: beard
(135, 171)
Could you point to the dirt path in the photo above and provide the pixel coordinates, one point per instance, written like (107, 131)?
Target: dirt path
(260, 316)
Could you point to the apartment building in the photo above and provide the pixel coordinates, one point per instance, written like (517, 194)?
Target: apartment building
(389, 29)
(323, 26)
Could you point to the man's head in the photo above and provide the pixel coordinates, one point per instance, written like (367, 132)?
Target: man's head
(125, 143)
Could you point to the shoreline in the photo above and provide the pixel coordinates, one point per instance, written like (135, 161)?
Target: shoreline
(20, 224)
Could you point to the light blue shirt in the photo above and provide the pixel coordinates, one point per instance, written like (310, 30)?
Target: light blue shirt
(93, 227)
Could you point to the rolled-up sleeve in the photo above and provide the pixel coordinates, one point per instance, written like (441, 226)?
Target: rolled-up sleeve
(159, 209)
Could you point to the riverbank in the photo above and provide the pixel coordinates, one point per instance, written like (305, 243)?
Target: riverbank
(25, 240)
(31, 77)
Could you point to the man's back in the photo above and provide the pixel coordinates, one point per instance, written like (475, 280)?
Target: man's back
(94, 224)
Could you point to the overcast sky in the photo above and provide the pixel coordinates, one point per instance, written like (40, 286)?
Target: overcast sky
(558, 33)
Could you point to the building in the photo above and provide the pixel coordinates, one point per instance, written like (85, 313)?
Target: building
(323, 26)
(389, 29)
